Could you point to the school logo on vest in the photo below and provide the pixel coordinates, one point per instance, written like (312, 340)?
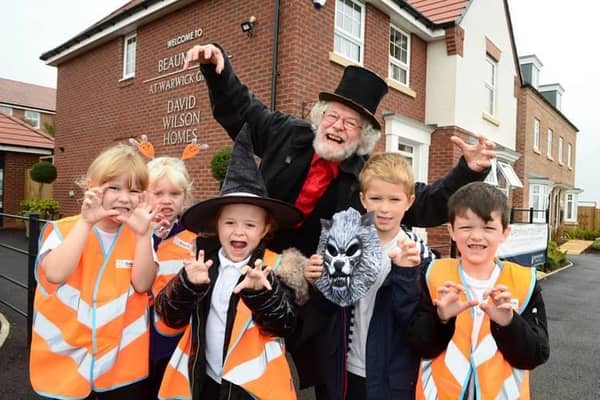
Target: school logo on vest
(124, 263)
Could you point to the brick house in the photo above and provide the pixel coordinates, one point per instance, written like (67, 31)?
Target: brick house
(21, 146)
(547, 140)
(450, 66)
(33, 104)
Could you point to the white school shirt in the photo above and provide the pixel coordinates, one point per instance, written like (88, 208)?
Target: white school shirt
(216, 322)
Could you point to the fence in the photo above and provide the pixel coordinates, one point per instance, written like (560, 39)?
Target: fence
(32, 251)
(588, 218)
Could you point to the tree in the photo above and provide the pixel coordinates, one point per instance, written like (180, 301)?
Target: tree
(43, 172)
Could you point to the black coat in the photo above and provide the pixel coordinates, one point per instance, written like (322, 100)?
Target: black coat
(284, 144)
(273, 311)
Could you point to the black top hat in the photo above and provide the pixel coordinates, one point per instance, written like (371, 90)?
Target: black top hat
(361, 90)
(242, 184)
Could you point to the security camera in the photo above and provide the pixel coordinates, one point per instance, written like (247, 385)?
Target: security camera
(319, 3)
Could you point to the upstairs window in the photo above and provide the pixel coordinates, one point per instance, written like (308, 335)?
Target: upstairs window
(349, 30)
(536, 134)
(490, 85)
(129, 45)
(569, 160)
(549, 144)
(33, 118)
(399, 55)
(6, 110)
(560, 150)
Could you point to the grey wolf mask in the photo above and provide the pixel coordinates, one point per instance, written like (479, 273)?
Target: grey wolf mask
(352, 256)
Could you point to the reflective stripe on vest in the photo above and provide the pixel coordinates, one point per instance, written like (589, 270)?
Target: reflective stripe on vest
(171, 253)
(89, 333)
(254, 361)
(447, 375)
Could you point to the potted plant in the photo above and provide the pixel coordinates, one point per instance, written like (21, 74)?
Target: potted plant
(42, 172)
(47, 209)
(219, 163)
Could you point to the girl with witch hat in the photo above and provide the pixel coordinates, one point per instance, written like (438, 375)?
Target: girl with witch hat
(238, 301)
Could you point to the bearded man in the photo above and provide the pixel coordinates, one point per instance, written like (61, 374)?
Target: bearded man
(315, 165)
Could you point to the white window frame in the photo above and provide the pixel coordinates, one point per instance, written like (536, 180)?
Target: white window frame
(538, 200)
(127, 62)
(490, 87)
(569, 151)
(560, 150)
(6, 110)
(570, 207)
(536, 135)
(34, 117)
(549, 143)
(395, 62)
(344, 35)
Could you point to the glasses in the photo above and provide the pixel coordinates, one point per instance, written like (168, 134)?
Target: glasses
(331, 117)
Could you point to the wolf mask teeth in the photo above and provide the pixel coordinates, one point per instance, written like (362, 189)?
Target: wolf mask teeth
(352, 257)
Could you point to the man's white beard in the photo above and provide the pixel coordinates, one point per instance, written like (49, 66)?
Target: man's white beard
(331, 152)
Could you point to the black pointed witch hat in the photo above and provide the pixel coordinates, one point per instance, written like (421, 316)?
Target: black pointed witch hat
(242, 184)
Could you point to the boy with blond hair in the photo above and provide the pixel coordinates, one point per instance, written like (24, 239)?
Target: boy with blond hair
(372, 354)
(481, 323)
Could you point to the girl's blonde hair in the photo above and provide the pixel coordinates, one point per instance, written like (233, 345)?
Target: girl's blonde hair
(175, 171)
(389, 167)
(115, 161)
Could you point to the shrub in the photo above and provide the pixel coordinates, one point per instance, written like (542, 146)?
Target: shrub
(555, 258)
(43, 172)
(596, 244)
(46, 208)
(582, 234)
(219, 163)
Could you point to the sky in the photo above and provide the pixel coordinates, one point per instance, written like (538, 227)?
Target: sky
(558, 32)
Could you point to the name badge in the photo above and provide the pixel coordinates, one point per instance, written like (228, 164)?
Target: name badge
(183, 244)
(124, 263)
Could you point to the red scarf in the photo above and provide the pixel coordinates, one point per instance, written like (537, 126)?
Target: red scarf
(320, 175)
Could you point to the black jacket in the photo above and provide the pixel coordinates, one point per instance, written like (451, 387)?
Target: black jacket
(273, 311)
(284, 144)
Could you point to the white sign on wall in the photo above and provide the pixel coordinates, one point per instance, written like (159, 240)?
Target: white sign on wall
(526, 245)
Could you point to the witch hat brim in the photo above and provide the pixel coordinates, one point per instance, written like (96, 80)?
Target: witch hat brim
(361, 90)
(242, 185)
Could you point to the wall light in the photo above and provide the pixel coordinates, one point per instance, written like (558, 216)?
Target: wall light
(248, 26)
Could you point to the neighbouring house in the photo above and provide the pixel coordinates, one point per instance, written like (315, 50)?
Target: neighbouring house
(21, 146)
(451, 68)
(547, 140)
(33, 104)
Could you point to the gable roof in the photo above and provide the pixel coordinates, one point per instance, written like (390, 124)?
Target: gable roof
(14, 132)
(440, 11)
(27, 95)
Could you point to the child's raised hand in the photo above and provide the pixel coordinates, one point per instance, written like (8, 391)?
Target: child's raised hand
(255, 278)
(313, 268)
(197, 269)
(406, 254)
(500, 308)
(161, 226)
(140, 218)
(449, 303)
(91, 208)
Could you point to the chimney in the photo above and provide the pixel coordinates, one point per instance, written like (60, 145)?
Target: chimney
(553, 93)
(530, 69)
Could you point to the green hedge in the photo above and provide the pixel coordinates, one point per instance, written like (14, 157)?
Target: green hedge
(596, 244)
(46, 208)
(581, 234)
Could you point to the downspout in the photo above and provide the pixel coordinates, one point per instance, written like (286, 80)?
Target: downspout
(275, 59)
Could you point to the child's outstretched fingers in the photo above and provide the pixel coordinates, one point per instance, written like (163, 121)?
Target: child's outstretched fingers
(197, 269)
(449, 303)
(406, 254)
(254, 278)
(313, 268)
(500, 308)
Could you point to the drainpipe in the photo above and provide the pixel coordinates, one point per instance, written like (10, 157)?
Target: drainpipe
(275, 55)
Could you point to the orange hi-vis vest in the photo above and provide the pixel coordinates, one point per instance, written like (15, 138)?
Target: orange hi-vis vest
(447, 376)
(90, 332)
(254, 361)
(171, 253)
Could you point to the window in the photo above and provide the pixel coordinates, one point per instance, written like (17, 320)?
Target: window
(33, 118)
(569, 149)
(536, 134)
(6, 110)
(129, 56)
(399, 55)
(560, 150)
(571, 207)
(407, 151)
(549, 144)
(349, 29)
(490, 85)
(503, 176)
(538, 201)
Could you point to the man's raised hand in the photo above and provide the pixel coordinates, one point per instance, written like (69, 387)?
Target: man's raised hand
(205, 54)
(478, 155)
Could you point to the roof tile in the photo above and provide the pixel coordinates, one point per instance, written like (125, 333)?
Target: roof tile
(27, 95)
(17, 133)
(440, 11)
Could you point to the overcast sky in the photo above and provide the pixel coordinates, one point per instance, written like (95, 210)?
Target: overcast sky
(558, 32)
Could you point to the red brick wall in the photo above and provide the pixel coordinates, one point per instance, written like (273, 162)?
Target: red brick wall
(15, 165)
(95, 110)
